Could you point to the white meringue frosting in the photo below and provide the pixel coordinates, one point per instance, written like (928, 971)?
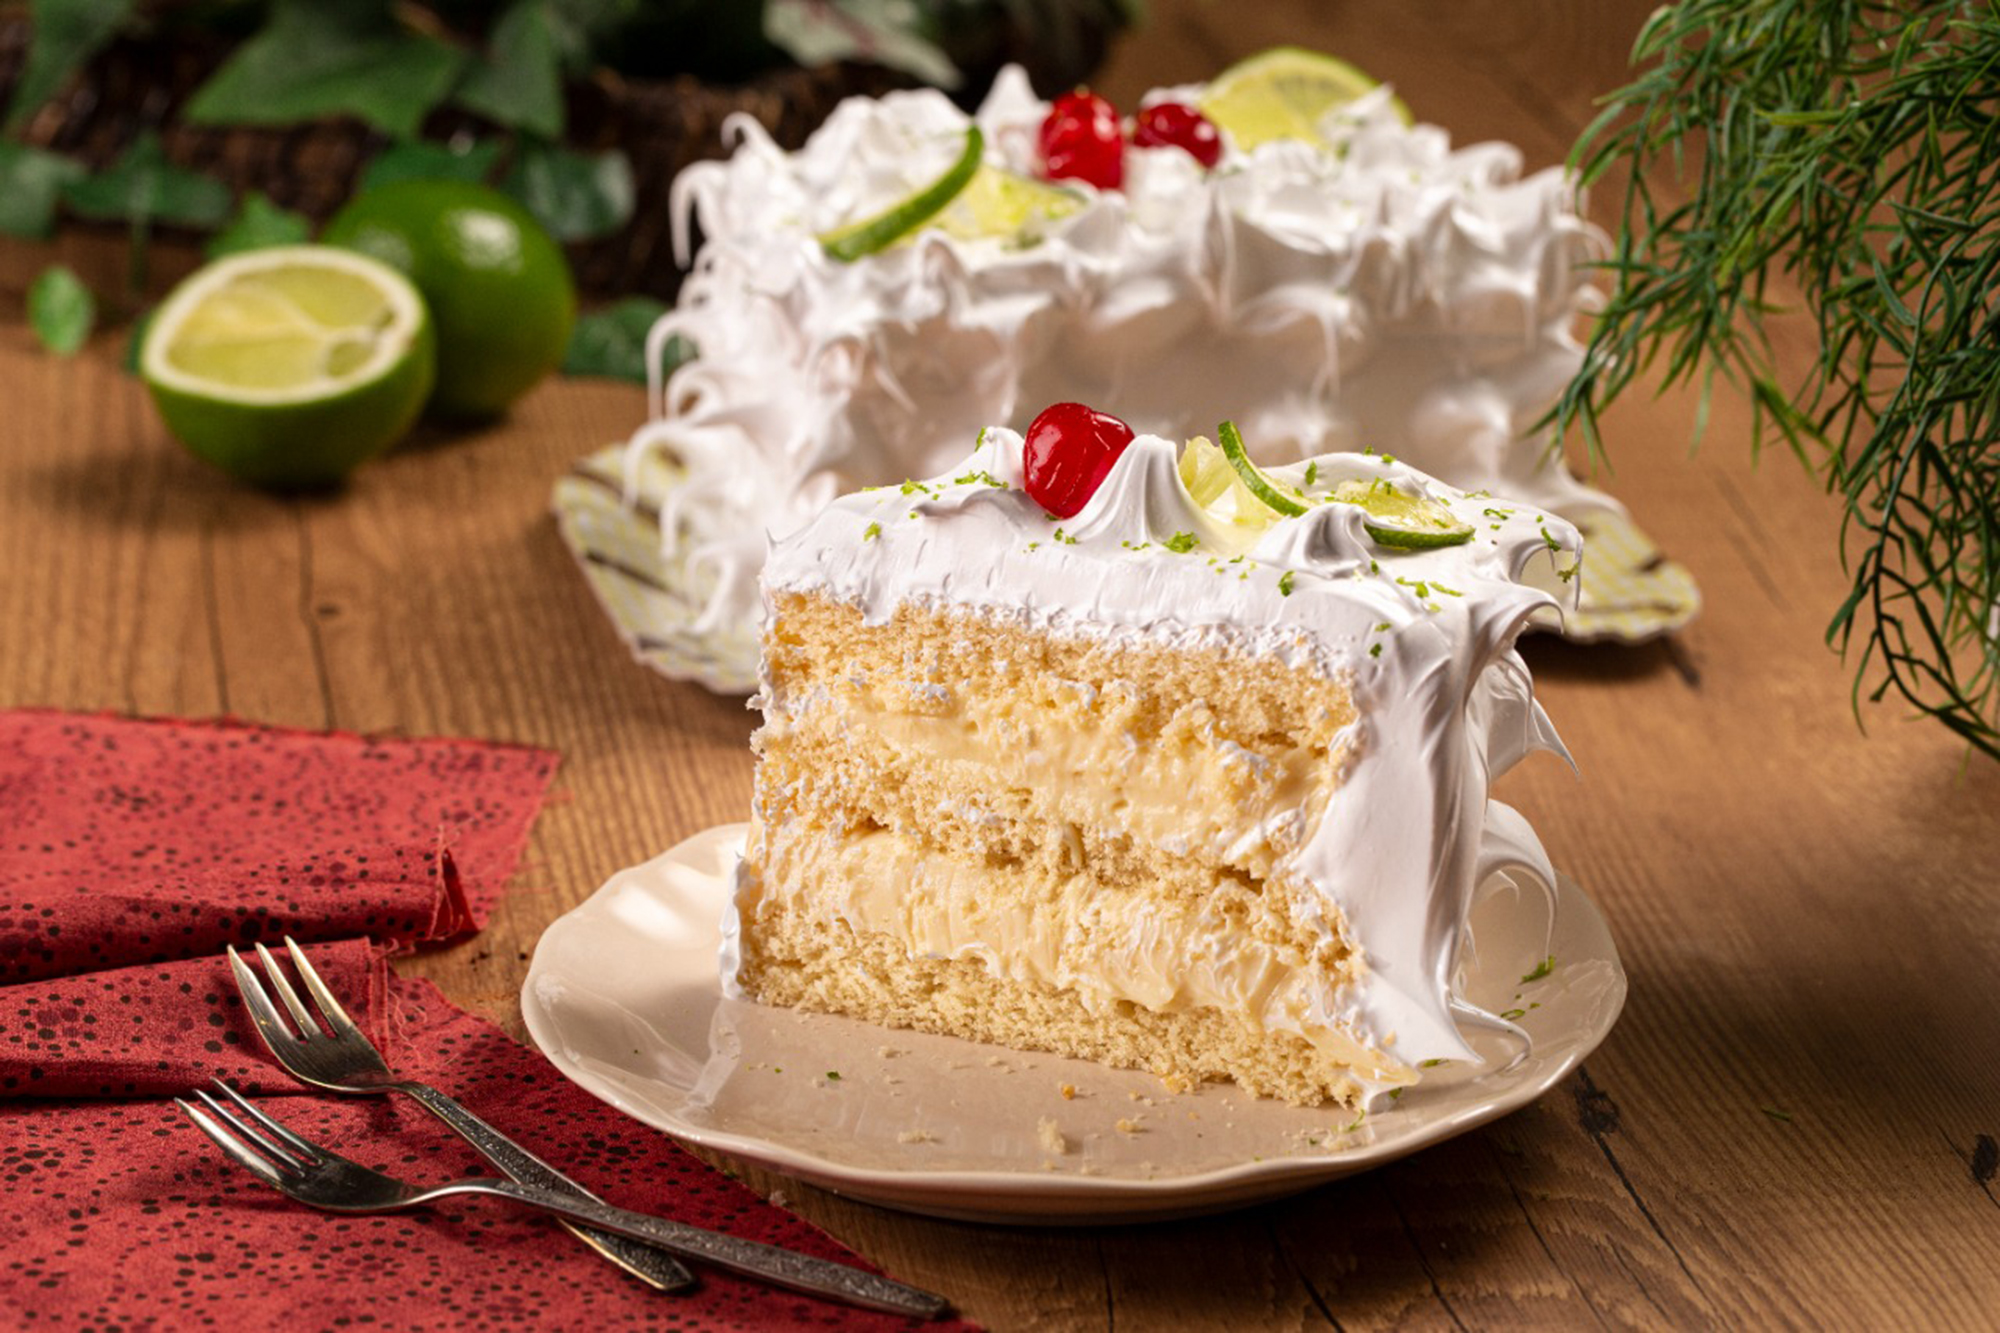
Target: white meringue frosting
(1389, 292)
(1422, 639)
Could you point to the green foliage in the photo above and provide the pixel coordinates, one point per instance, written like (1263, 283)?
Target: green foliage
(67, 33)
(142, 187)
(422, 159)
(612, 342)
(30, 183)
(317, 58)
(519, 83)
(61, 310)
(1850, 150)
(258, 225)
(577, 196)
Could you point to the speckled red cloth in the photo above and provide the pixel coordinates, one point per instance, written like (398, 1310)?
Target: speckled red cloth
(130, 852)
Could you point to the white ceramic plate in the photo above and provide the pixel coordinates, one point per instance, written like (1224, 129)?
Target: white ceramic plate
(623, 997)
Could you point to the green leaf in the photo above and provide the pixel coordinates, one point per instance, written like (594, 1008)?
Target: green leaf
(259, 224)
(423, 160)
(519, 84)
(880, 32)
(66, 34)
(141, 186)
(577, 196)
(612, 342)
(317, 58)
(61, 310)
(30, 183)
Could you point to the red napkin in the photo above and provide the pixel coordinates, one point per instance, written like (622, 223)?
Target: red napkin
(140, 843)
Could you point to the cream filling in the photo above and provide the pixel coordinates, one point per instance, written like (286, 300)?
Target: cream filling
(1072, 935)
(1188, 791)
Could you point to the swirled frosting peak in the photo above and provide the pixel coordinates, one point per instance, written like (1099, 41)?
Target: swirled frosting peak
(1389, 292)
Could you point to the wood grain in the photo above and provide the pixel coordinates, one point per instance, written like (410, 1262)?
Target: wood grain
(1794, 1123)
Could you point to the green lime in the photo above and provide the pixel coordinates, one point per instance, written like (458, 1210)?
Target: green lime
(998, 202)
(1284, 93)
(1277, 498)
(1208, 475)
(497, 284)
(1396, 518)
(290, 367)
(865, 237)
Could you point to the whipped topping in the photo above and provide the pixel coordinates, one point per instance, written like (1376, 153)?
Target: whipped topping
(1423, 640)
(1390, 293)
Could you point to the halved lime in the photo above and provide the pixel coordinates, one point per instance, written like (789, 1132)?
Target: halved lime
(1285, 93)
(865, 237)
(291, 366)
(1397, 518)
(1275, 497)
(1003, 203)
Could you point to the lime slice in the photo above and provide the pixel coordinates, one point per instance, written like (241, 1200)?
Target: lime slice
(999, 202)
(291, 366)
(1208, 476)
(865, 237)
(1285, 93)
(1274, 497)
(1396, 518)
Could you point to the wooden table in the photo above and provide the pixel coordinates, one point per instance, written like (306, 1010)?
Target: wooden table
(1794, 1122)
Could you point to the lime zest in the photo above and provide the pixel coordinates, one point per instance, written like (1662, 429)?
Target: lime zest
(1254, 480)
(857, 240)
(1400, 520)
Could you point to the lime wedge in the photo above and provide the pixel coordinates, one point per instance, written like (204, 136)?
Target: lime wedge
(289, 367)
(1284, 93)
(865, 237)
(1398, 519)
(1003, 203)
(1208, 476)
(1274, 497)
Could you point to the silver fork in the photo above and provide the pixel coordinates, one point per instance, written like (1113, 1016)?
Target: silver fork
(313, 1175)
(338, 1057)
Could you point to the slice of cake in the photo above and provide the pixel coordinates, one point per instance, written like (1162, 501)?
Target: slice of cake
(1106, 747)
(1371, 284)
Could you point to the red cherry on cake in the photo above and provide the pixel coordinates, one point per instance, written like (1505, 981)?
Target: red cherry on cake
(1082, 140)
(1068, 452)
(1177, 125)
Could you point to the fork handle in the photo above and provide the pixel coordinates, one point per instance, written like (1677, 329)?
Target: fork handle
(653, 1266)
(769, 1263)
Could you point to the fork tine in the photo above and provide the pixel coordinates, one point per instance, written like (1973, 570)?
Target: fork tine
(262, 1011)
(308, 1025)
(336, 1017)
(251, 1136)
(230, 1144)
(304, 1148)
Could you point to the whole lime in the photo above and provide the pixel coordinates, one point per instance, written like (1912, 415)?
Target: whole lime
(499, 289)
(290, 367)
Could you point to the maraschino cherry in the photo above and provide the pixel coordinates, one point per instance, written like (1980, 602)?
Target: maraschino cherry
(1067, 454)
(1082, 140)
(1177, 125)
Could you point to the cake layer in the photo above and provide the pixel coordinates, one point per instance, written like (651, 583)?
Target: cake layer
(1197, 752)
(795, 957)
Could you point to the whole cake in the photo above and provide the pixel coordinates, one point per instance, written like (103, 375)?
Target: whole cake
(1108, 747)
(1365, 284)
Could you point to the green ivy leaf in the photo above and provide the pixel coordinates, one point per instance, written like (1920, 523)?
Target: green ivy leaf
(259, 224)
(317, 58)
(141, 186)
(611, 342)
(422, 160)
(820, 32)
(61, 310)
(577, 196)
(66, 34)
(30, 183)
(519, 84)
